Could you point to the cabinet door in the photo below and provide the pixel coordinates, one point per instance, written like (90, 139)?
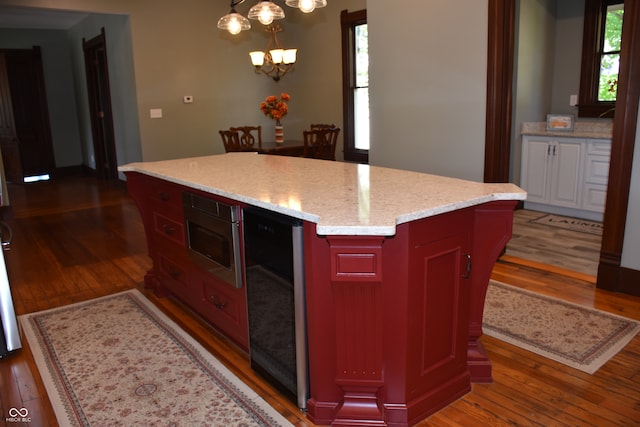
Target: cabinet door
(438, 306)
(566, 173)
(534, 175)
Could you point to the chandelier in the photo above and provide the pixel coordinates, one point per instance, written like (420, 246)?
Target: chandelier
(264, 11)
(274, 61)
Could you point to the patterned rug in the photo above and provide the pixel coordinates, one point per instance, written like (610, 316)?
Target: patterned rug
(568, 223)
(576, 336)
(118, 360)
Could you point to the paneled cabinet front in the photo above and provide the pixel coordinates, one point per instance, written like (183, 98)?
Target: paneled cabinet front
(389, 321)
(160, 204)
(551, 170)
(565, 175)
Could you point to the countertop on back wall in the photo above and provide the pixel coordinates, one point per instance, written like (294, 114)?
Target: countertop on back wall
(582, 129)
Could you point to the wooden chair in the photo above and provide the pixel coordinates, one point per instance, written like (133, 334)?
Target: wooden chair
(249, 135)
(320, 143)
(231, 140)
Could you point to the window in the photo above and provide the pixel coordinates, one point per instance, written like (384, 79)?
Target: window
(600, 57)
(355, 85)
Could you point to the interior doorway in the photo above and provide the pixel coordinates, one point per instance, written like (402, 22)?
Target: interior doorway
(611, 276)
(27, 148)
(104, 146)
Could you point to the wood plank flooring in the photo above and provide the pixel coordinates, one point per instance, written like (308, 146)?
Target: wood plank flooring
(77, 239)
(565, 249)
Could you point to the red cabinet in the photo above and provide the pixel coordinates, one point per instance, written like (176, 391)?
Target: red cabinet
(173, 272)
(389, 317)
(392, 321)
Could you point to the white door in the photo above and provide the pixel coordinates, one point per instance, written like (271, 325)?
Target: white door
(566, 158)
(535, 166)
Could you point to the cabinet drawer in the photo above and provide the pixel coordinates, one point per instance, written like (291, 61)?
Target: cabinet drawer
(167, 228)
(165, 192)
(594, 197)
(602, 148)
(174, 271)
(596, 169)
(225, 307)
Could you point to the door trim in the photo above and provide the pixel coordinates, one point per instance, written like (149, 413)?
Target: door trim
(99, 92)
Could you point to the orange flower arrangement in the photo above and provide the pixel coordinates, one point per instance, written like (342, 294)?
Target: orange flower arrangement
(275, 108)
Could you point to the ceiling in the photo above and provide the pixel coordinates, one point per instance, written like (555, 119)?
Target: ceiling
(35, 18)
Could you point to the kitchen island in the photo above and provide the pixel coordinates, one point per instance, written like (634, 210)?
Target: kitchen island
(396, 269)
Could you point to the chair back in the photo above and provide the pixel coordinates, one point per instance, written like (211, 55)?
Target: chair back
(321, 126)
(320, 143)
(249, 135)
(231, 140)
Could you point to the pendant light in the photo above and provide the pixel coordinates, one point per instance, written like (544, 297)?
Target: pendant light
(306, 6)
(233, 22)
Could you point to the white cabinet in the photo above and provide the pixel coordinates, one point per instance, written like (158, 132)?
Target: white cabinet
(551, 170)
(565, 175)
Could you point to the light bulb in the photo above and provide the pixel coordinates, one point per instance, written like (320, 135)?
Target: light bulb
(266, 16)
(307, 6)
(234, 26)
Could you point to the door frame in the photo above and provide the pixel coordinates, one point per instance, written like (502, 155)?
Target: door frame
(611, 275)
(99, 92)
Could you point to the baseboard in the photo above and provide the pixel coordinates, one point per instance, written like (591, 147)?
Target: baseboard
(629, 281)
(78, 170)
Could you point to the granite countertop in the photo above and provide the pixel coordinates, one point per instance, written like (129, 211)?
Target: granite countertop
(581, 129)
(341, 198)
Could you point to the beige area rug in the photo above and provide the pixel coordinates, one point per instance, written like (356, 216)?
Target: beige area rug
(576, 336)
(568, 223)
(118, 360)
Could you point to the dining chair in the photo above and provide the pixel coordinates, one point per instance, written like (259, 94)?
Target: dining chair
(320, 143)
(249, 135)
(231, 140)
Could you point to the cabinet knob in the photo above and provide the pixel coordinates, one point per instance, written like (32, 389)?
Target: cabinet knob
(218, 304)
(168, 229)
(163, 196)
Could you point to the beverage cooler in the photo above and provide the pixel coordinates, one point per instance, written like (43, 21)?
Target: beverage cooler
(276, 301)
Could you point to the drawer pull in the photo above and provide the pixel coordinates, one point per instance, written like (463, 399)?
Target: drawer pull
(468, 267)
(174, 274)
(217, 304)
(164, 196)
(168, 229)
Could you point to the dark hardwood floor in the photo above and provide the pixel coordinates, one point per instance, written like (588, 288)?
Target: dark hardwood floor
(78, 238)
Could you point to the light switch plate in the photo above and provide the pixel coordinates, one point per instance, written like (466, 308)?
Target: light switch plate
(155, 113)
(187, 99)
(573, 100)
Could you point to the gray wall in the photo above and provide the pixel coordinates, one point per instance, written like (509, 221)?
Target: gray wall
(428, 85)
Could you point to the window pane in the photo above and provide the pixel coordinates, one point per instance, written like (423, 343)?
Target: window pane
(608, 86)
(362, 55)
(610, 59)
(361, 128)
(613, 28)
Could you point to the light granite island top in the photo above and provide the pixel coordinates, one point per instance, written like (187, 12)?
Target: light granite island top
(341, 198)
